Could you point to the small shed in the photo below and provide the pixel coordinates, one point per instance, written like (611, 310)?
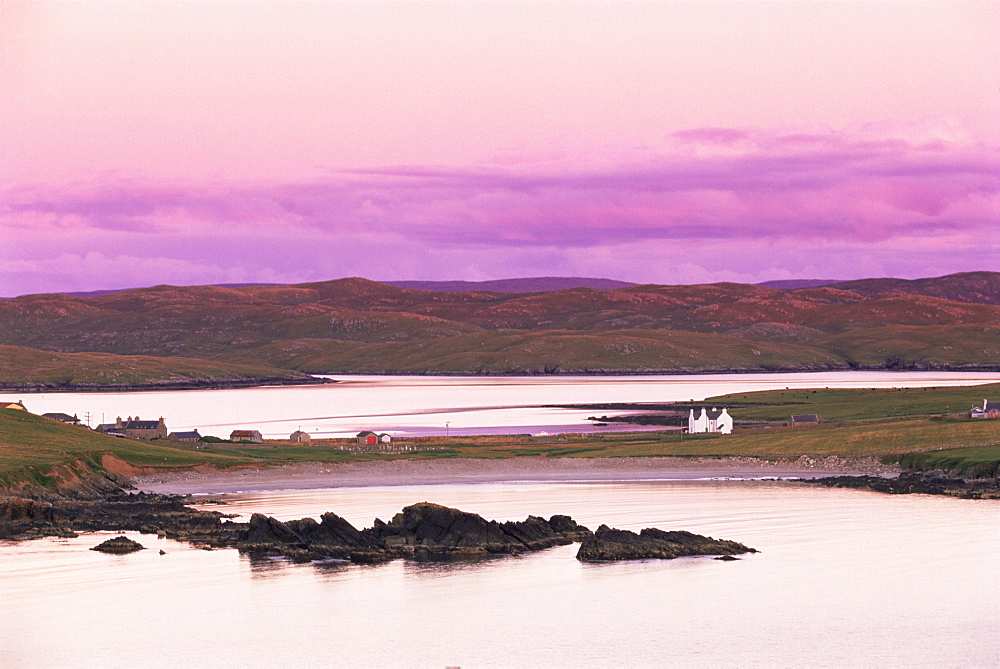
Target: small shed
(252, 436)
(805, 419)
(385, 438)
(367, 438)
(300, 437)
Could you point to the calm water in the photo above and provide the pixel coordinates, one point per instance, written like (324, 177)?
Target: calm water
(845, 578)
(422, 405)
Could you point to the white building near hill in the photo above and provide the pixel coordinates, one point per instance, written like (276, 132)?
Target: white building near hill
(710, 421)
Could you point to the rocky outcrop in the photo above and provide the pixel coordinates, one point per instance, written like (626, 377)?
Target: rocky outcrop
(119, 546)
(422, 531)
(927, 483)
(608, 544)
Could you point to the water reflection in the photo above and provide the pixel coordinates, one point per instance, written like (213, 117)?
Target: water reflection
(845, 578)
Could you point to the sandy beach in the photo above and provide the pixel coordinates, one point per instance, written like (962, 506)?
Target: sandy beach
(312, 475)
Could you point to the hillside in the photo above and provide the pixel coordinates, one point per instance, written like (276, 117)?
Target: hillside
(526, 285)
(38, 451)
(972, 287)
(29, 369)
(355, 325)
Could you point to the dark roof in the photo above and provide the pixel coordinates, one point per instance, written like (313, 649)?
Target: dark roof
(366, 433)
(805, 418)
(141, 424)
(713, 413)
(63, 417)
(991, 406)
(193, 434)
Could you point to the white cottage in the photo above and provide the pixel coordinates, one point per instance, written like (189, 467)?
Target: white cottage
(710, 421)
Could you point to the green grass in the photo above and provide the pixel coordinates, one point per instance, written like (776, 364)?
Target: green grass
(973, 462)
(31, 447)
(856, 404)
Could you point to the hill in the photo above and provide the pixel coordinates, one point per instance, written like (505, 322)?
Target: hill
(356, 325)
(970, 287)
(526, 285)
(30, 369)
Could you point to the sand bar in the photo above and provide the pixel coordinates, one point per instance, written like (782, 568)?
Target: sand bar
(313, 475)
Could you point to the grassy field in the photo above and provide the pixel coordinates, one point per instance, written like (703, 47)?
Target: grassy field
(905, 426)
(855, 404)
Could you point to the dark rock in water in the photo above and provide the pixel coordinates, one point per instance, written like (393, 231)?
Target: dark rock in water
(422, 532)
(726, 558)
(609, 544)
(428, 531)
(119, 546)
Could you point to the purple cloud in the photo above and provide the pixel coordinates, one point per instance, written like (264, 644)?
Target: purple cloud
(704, 189)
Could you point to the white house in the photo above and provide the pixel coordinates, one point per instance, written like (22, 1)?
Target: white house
(710, 421)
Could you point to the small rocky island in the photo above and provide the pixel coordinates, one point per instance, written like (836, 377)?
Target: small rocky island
(608, 544)
(422, 532)
(119, 546)
(428, 531)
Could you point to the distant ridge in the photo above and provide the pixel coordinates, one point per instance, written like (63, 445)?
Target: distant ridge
(795, 284)
(527, 285)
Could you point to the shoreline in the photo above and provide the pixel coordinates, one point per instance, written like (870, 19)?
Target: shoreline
(314, 475)
(321, 378)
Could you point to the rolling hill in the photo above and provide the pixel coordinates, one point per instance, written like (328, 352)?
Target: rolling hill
(356, 325)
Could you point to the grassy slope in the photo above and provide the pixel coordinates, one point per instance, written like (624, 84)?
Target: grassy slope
(534, 351)
(31, 446)
(842, 404)
(19, 365)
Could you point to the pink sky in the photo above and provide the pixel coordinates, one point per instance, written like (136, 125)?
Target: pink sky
(190, 142)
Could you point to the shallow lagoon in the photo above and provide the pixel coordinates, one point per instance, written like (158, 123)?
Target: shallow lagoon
(426, 405)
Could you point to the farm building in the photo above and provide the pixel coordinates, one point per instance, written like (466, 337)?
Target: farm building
(804, 419)
(19, 405)
(192, 435)
(988, 410)
(712, 420)
(367, 438)
(300, 437)
(385, 438)
(251, 436)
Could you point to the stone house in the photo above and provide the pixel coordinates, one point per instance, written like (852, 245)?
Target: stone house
(252, 436)
(192, 435)
(136, 428)
(300, 437)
